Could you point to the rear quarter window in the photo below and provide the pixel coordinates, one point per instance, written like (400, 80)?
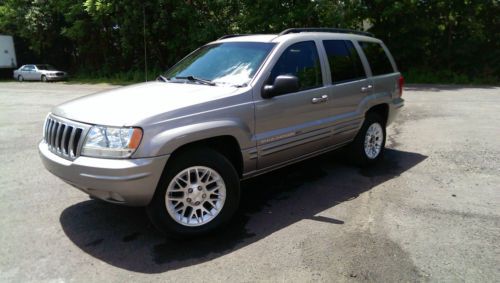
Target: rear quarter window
(379, 62)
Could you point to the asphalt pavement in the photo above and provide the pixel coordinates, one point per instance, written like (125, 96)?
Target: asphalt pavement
(430, 211)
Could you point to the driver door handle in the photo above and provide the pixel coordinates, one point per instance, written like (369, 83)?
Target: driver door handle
(323, 98)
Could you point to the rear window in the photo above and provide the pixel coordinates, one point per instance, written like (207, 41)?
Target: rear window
(379, 62)
(344, 61)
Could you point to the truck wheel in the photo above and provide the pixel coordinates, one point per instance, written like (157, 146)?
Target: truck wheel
(198, 192)
(20, 78)
(44, 78)
(369, 144)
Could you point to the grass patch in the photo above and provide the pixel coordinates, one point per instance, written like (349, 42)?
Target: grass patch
(422, 76)
(119, 78)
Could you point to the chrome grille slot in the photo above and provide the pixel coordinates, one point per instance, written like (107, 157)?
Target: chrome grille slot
(64, 137)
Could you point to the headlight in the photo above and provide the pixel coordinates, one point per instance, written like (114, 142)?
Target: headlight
(111, 142)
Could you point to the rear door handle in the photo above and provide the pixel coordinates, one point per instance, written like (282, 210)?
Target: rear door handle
(366, 88)
(321, 99)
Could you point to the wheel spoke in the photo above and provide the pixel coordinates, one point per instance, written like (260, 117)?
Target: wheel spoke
(203, 176)
(196, 174)
(175, 197)
(208, 177)
(207, 211)
(178, 184)
(181, 210)
(193, 213)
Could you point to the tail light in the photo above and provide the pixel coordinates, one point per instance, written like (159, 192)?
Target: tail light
(401, 84)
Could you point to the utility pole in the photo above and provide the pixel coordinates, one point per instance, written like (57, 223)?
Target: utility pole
(145, 48)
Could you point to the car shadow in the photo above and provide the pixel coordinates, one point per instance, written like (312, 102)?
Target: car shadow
(123, 237)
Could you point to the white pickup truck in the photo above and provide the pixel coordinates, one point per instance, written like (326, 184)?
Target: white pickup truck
(7, 53)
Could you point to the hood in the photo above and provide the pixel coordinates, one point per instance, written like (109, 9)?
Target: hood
(129, 106)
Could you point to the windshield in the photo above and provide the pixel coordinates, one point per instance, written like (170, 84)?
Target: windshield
(45, 67)
(233, 63)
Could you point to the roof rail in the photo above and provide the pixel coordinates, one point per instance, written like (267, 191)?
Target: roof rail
(230, 35)
(333, 30)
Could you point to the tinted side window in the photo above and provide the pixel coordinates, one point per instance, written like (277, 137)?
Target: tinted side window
(345, 64)
(379, 62)
(301, 60)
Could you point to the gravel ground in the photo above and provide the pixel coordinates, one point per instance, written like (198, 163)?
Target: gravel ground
(429, 212)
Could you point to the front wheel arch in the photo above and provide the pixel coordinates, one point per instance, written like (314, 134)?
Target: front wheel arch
(225, 145)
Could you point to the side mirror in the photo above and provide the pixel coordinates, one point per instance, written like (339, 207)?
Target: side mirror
(282, 84)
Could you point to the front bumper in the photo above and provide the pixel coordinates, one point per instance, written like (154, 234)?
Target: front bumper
(57, 78)
(125, 181)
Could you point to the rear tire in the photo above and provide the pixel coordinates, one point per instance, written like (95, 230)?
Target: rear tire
(20, 78)
(44, 78)
(369, 145)
(199, 192)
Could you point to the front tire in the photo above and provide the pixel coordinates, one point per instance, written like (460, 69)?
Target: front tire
(20, 78)
(369, 145)
(198, 193)
(44, 78)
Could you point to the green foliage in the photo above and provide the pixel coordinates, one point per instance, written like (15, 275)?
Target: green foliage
(119, 78)
(442, 37)
(453, 40)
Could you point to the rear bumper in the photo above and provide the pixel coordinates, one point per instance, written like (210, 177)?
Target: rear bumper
(124, 181)
(394, 109)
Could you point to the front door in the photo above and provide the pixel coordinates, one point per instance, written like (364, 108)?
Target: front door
(292, 125)
(29, 72)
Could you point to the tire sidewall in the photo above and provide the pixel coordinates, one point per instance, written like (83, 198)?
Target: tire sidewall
(20, 78)
(44, 79)
(157, 210)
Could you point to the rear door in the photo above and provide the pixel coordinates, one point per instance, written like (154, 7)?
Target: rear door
(383, 68)
(291, 125)
(348, 85)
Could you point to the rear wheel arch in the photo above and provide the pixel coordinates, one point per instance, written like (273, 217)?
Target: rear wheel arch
(380, 109)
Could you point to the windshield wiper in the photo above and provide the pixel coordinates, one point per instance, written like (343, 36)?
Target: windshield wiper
(162, 78)
(195, 79)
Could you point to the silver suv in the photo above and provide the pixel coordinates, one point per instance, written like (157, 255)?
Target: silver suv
(233, 109)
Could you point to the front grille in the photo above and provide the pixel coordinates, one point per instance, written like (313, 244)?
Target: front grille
(59, 74)
(64, 137)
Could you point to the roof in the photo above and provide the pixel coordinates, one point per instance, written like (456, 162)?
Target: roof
(276, 38)
(249, 38)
